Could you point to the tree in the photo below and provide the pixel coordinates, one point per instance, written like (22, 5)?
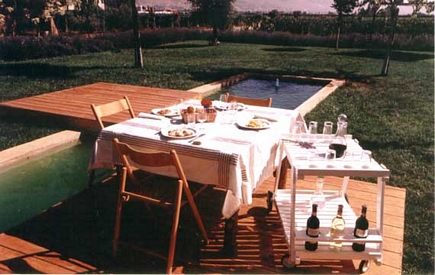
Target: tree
(215, 13)
(373, 6)
(138, 57)
(342, 7)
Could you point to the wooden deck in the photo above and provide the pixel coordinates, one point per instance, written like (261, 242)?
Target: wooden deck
(75, 236)
(71, 107)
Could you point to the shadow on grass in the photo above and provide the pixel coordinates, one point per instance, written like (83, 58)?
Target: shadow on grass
(290, 49)
(179, 46)
(41, 70)
(395, 55)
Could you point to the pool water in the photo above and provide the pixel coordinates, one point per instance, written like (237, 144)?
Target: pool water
(287, 95)
(33, 187)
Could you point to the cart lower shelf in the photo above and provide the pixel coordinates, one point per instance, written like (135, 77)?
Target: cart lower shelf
(373, 243)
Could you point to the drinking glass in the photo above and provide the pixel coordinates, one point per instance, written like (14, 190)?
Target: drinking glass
(327, 128)
(312, 127)
(180, 106)
(298, 128)
(223, 98)
(191, 117)
(232, 108)
(201, 117)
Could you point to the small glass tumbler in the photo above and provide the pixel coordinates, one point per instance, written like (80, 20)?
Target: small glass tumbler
(298, 128)
(191, 119)
(312, 127)
(327, 128)
(232, 110)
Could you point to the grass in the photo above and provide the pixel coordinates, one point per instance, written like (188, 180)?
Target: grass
(393, 116)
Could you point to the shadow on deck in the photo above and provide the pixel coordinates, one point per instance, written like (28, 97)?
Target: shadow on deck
(75, 237)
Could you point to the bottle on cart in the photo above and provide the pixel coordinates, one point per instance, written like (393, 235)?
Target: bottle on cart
(318, 197)
(361, 230)
(337, 229)
(312, 230)
(339, 143)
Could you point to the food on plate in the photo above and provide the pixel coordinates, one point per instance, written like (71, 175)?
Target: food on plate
(164, 112)
(256, 123)
(180, 132)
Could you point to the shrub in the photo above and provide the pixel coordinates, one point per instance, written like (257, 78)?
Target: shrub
(29, 47)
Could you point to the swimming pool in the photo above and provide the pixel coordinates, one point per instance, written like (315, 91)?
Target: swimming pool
(285, 94)
(30, 188)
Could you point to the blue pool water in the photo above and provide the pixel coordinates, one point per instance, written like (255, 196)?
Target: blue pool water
(33, 187)
(288, 95)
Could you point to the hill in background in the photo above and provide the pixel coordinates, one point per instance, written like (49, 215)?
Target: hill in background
(313, 6)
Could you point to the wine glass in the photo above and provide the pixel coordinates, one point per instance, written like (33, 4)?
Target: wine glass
(201, 117)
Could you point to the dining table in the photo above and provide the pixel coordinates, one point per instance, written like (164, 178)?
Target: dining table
(227, 152)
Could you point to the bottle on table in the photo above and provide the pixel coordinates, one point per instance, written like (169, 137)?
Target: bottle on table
(337, 229)
(361, 230)
(312, 230)
(339, 143)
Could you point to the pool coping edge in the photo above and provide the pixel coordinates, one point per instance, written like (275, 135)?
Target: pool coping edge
(35, 148)
(303, 109)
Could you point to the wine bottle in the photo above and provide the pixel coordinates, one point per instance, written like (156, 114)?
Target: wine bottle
(312, 230)
(337, 229)
(361, 230)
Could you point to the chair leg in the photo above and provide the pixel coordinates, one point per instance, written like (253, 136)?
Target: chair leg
(195, 211)
(174, 231)
(118, 214)
(91, 178)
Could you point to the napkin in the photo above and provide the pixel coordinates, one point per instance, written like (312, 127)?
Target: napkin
(266, 117)
(150, 116)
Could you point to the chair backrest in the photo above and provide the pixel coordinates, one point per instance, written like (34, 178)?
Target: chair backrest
(143, 159)
(111, 108)
(263, 102)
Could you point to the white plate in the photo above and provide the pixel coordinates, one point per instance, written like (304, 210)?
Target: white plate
(254, 124)
(224, 106)
(167, 112)
(170, 132)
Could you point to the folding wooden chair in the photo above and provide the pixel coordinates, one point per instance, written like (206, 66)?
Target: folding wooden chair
(141, 160)
(111, 108)
(263, 102)
(104, 110)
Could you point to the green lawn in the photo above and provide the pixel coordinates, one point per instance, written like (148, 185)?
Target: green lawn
(393, 116)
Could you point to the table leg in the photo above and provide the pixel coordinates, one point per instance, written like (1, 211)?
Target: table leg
(230, 244)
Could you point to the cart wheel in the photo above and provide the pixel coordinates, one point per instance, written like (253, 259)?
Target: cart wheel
(285, 261)
(364, 266)
(269, 201)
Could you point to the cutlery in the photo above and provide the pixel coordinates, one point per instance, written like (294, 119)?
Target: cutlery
(198, 136)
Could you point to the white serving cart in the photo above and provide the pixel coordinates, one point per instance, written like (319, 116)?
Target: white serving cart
(294, 206)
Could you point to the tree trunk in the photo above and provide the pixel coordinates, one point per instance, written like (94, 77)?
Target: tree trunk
(337, 40)
(390, 44)
(138, 58)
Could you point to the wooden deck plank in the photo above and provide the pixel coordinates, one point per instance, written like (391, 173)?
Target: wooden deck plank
(260, 237)
(73, 105)
(260, 242)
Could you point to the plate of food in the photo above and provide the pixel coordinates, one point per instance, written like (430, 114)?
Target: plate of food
(178, 132)
(254, 124)
(224, 106)
(167, 112)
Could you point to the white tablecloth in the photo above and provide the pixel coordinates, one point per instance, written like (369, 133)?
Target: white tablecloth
(228, 156)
